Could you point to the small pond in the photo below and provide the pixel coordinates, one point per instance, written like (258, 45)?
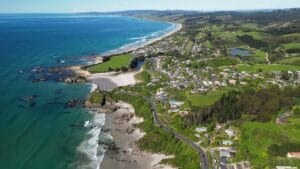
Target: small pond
(240, 52)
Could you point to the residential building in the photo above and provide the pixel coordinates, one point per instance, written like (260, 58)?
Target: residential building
(295, 155)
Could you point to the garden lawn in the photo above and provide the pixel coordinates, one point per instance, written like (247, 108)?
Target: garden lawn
(115, 62)
(205, 100)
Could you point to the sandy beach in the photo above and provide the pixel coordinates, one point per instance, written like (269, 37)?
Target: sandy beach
(111, 80)
(121, 126)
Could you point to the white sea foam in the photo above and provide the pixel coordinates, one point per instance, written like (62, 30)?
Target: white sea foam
(94, 87)
(141, 41)
(139, 38)
(86, 123)
(90, 147)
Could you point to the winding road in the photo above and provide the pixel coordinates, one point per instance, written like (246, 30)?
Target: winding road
(203, 158)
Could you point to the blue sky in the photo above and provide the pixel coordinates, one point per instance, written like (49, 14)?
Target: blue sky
(13, 6)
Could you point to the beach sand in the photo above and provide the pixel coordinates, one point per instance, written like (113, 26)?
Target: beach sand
(109, 81)
(124, 135)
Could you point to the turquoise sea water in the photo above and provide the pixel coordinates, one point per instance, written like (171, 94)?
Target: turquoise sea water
(40, 132)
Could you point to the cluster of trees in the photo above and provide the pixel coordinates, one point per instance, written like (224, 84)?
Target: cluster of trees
(135, 62)
(276, 55)
(294, 50)
(254, 43)
(260, 105)
(292, 28)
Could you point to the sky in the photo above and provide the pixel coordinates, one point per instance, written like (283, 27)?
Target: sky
(44, 6)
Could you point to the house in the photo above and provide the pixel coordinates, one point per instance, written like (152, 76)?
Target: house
(175, 104)
(218, 126)
(227, 142)
(201, 129)
(217, 83)
(286, 167)
(173, 111)
(230, 132)
(225, 153)
(243, 83)
(295, 155)
(160, 94)
(281, 120)
(183, 113)
(232, 81)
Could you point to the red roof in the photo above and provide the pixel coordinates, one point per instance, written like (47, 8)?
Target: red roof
(294, 154)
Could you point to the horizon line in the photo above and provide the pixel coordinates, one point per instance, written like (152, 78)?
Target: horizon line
(187, 10)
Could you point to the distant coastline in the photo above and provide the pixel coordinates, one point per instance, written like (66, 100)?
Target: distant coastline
(107, 79)
(140, 44)
(111, 80)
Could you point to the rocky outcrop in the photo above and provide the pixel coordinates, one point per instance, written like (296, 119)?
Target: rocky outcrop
(77, 79)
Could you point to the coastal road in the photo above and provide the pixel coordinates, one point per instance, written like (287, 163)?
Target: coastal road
(202, 155)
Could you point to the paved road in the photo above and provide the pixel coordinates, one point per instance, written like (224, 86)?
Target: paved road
(203, 158)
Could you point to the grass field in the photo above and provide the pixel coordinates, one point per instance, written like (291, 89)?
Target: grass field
(233, 35)
(291, 46)
(143, 76)
(292, 35)
(205, 100)
(114, 63)
(290, 61)
(267, 68)
(259, 55)
(258, 138)
(223, 61)
(252, 26)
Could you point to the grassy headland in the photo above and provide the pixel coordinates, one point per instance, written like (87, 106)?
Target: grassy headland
(114, 63)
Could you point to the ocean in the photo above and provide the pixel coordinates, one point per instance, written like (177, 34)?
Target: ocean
(38, 130)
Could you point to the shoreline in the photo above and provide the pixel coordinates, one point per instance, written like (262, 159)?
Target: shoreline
(111, 80)
(121, 124)
(108, 81)
(131, 46)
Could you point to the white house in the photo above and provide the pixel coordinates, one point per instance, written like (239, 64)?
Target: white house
(201, 129)
(286, 167)
(230, 132)
(225, 153)
(227, 142)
